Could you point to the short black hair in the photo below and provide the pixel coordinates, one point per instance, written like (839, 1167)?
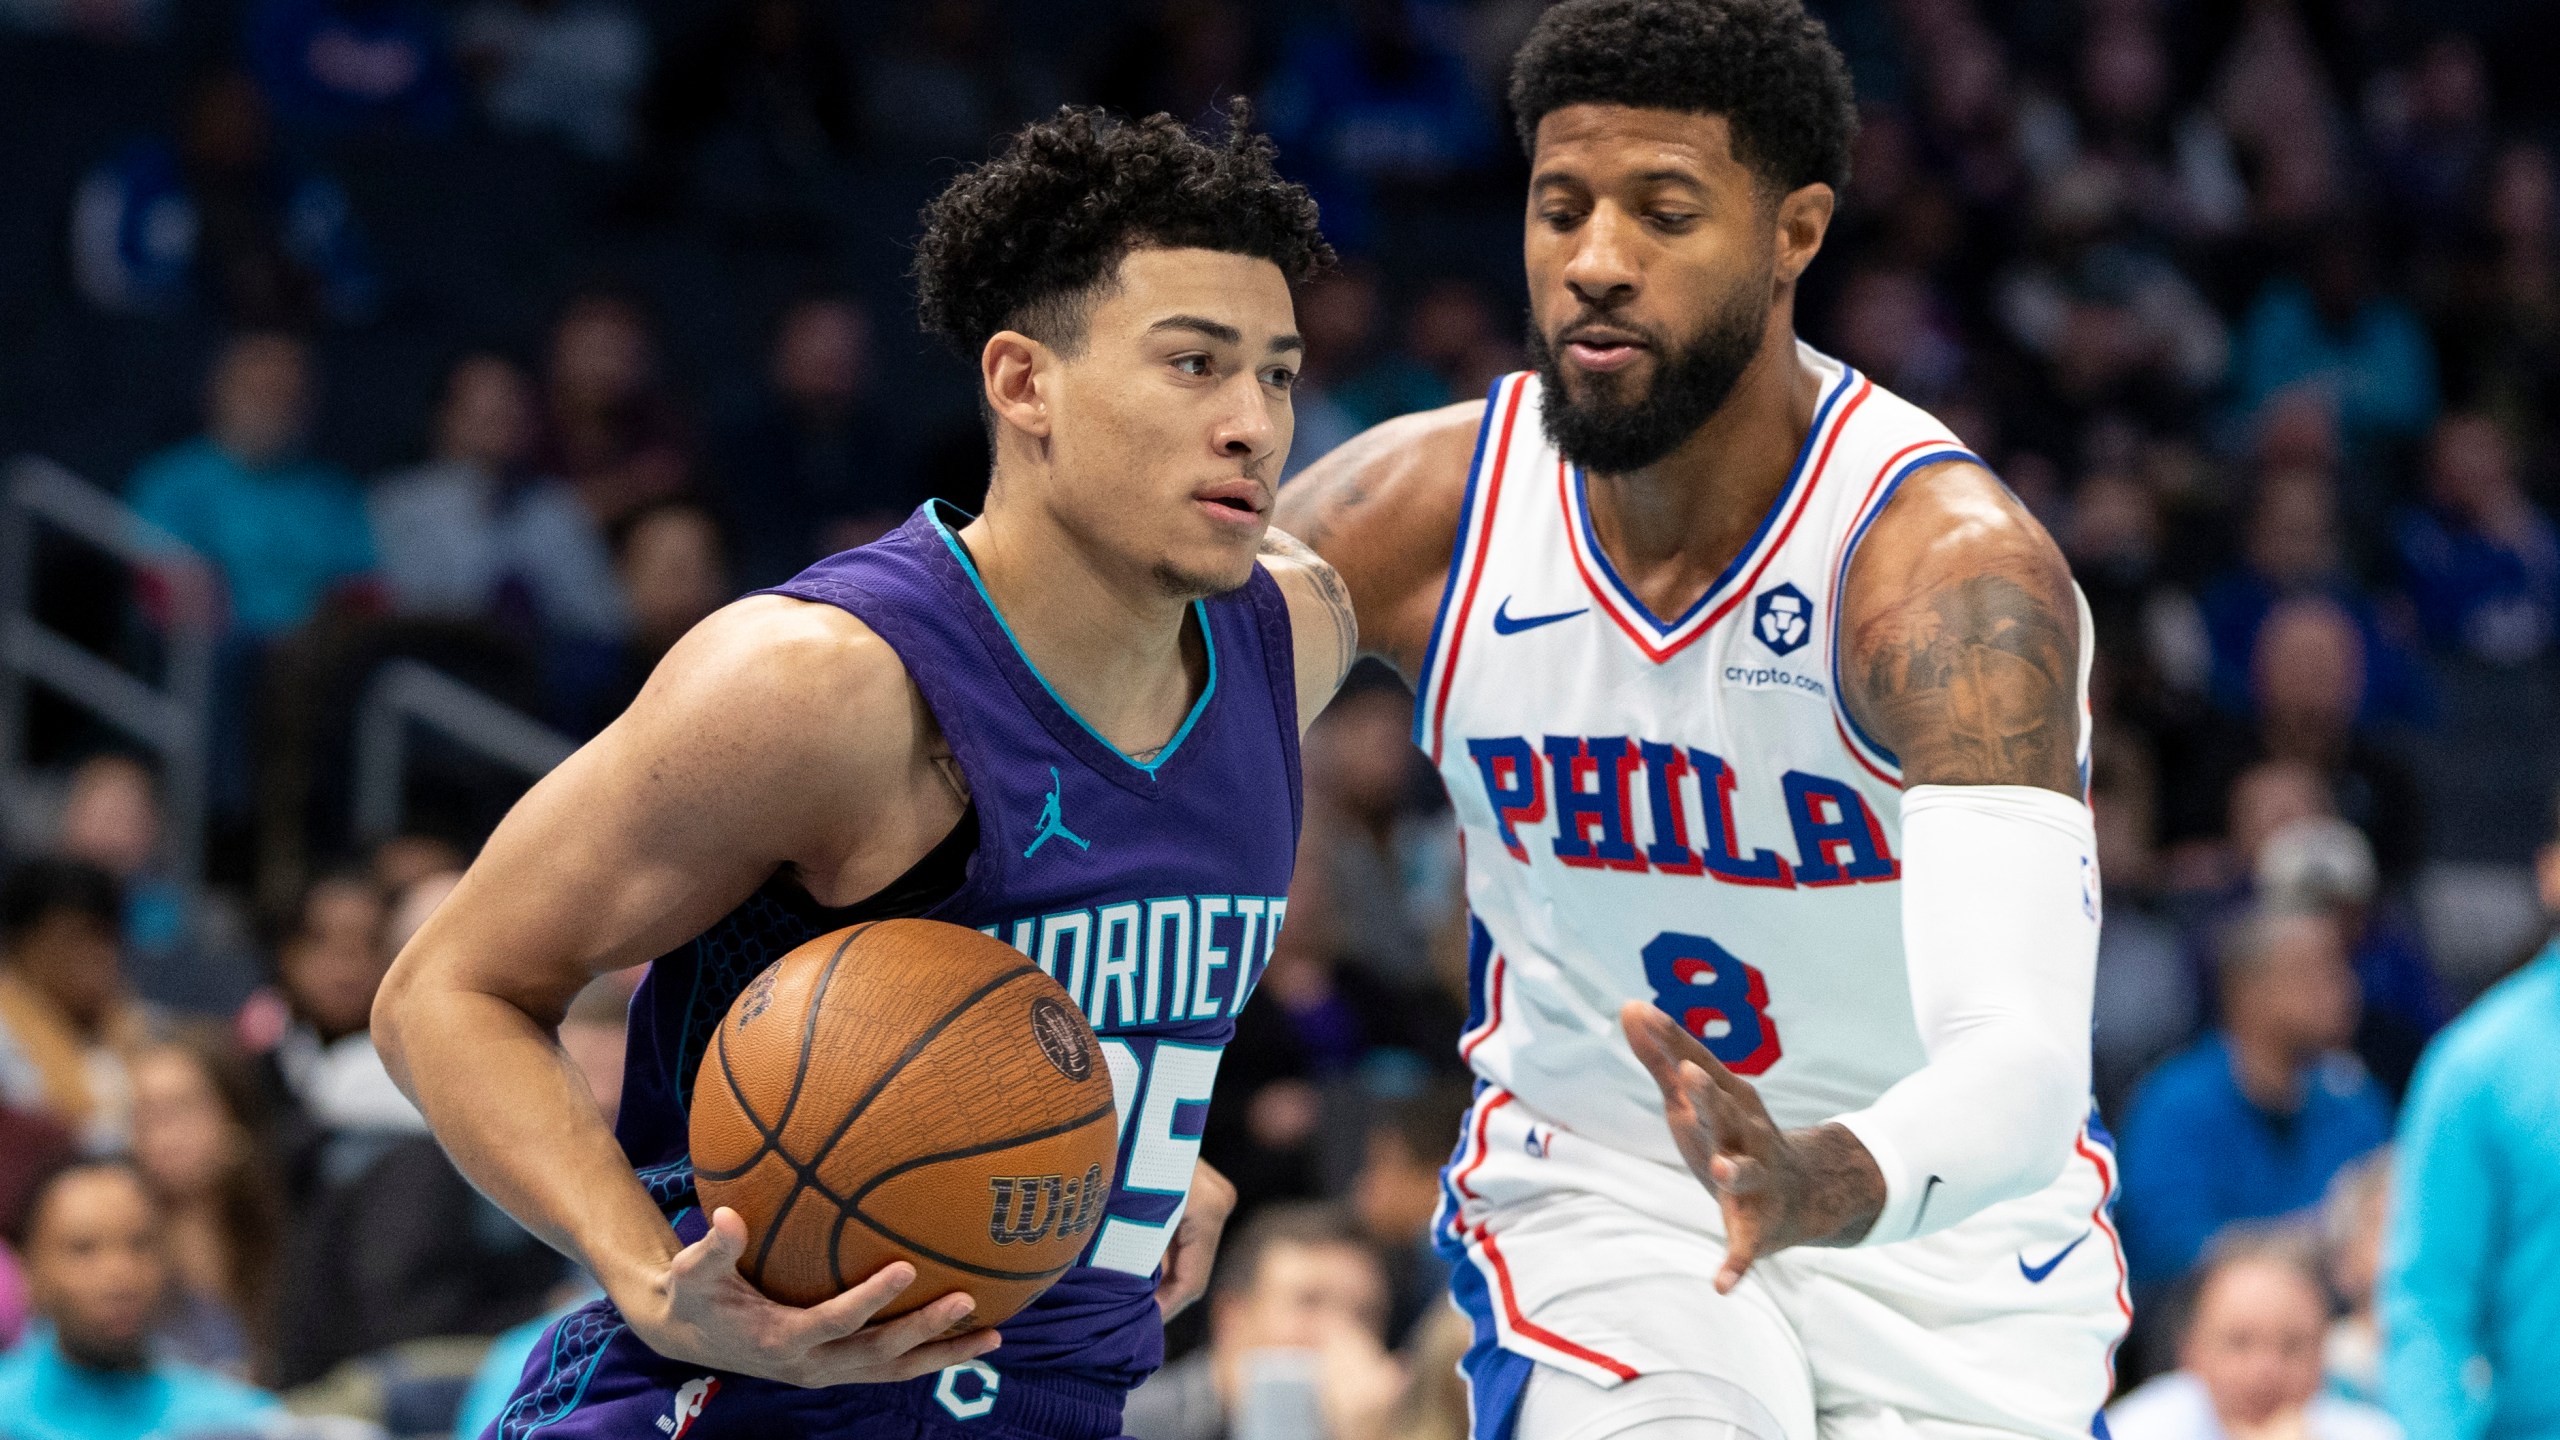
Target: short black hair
(1297, 1222)
(1766, 66)
(1027, 240)
(45, 886)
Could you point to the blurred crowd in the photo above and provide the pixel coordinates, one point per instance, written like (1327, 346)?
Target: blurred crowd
(515, 336)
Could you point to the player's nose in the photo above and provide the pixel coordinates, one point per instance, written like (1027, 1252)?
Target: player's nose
(1601, 269)
(1250, 429)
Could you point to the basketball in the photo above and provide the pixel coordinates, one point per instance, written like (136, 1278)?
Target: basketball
(906, 1090)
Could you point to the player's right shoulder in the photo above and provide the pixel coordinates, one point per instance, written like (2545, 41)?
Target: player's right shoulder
(780, 677)
(1383, 509)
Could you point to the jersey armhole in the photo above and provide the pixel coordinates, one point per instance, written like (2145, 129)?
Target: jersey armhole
(1431, 684)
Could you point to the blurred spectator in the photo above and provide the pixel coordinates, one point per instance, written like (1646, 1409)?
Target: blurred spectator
(2308, 681)
(220, 220)
(196, 1142)
(400, 862)
(474, 534)
(1892, 325)
(812, 471)
(2249, 1363)
(1368, 99)
(1452, 330)
(2323, 863)
(2146, 1000)
(388, 1242)
(2252, 1121)
(187, 957)
(1388, 871)
(571, 69)
(331, 962)
(2431, 139)
(2481, 563)
(2114, 319)
(609, 428)
(98, 1266)
(2470, 1318)
(2293, 548)
(751, 114)
(674, 567)
(1355, 376)
(1396, 1191)
(65, 1023)
(2498, 313)
(281, 530)
(1297, 1311)
(346, 65)
(2352, 1221)
(2334, 330)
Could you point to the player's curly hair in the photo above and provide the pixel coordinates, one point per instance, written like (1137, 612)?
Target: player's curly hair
(1766, 66)
(1028, 240)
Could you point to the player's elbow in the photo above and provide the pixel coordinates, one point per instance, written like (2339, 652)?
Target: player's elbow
(2052, 1098)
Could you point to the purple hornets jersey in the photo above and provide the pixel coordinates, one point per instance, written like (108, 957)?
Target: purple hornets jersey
(1152, 892)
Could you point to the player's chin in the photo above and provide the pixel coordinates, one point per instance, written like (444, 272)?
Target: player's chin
(1203, 572)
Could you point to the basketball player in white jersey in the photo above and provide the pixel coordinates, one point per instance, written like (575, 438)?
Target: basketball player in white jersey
(1761, 704)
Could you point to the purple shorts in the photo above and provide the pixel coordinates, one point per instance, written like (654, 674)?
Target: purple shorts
(591, 1379)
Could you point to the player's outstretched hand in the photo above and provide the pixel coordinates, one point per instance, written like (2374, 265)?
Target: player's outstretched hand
(1195, 1240)
(702, 1310)
(1776, 1187)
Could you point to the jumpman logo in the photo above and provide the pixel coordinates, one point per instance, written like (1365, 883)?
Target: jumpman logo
(1054, 822)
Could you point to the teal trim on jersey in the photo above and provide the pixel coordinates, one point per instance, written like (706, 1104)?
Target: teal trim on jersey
(1199, 613)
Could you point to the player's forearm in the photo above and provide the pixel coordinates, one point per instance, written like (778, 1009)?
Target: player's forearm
(520, 1123)
(2000, 934)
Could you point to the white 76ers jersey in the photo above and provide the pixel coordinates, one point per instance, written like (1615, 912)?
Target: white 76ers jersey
(1677, 810)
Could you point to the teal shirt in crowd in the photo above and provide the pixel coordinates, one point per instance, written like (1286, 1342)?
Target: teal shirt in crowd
(281, 537)
(44, 1396)
(2471, 1269)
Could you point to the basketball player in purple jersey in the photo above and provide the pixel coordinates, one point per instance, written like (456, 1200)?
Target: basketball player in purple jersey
(1071, 721)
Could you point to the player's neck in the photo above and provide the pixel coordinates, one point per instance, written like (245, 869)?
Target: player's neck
(1116, 648)
(1672, 527)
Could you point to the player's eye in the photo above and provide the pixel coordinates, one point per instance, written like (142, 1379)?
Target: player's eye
(1280, 377)
(1672, 219)
(1192, 364)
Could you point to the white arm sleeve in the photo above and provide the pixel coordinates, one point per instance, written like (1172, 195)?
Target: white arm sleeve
(2000, 930)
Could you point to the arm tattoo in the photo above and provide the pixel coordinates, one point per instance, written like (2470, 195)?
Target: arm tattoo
(1329, 589)
(1973, 682)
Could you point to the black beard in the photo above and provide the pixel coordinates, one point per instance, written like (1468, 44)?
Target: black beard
(1689, 385)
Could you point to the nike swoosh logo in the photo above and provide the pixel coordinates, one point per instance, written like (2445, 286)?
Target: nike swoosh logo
(1503, 624)
(2035, 1273)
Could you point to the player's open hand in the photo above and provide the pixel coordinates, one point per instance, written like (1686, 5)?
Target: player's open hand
(1195, 1240)
(1776, 1187)
(702, 1310)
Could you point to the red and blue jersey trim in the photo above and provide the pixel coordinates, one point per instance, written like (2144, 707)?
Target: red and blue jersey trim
(1661, 639)
(1863, 747)
(1480, 1282)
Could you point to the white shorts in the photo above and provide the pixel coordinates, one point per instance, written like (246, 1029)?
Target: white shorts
(1571, 1254)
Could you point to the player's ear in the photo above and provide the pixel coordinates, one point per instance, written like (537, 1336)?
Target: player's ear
(1009, 367)
(1804, 217)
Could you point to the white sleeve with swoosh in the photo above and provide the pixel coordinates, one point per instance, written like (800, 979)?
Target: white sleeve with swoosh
(2000, 932)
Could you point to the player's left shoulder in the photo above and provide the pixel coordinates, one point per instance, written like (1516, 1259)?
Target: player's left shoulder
(1324, 629)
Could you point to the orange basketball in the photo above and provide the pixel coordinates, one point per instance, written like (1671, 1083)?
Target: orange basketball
(906, 1090)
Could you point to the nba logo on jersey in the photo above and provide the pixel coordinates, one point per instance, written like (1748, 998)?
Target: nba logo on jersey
(1783, 619)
